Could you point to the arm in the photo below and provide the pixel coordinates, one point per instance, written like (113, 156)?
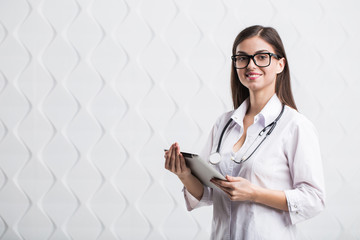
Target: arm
(307, 196)
(240, 189)
(195, 193)
(272, 198)
(194, 186)
(175, 163)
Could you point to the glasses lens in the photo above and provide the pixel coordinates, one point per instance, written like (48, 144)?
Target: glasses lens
(241, 61)
(262, 59)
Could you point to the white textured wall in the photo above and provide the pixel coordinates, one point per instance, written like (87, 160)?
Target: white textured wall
(91, 91)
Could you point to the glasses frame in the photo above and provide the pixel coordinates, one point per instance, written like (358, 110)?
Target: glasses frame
(253, 58)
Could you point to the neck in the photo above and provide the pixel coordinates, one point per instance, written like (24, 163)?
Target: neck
(258, 102)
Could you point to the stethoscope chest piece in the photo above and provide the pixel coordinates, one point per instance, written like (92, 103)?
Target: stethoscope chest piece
(215, 158)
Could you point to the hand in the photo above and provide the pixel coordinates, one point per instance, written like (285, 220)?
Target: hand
(175, 162)
(237, 188)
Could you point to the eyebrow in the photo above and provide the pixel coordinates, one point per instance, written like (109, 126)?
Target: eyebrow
(259, 51)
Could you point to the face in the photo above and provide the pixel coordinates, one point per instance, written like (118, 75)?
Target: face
(259, 78)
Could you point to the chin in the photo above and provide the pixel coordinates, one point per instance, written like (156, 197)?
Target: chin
(254, 86)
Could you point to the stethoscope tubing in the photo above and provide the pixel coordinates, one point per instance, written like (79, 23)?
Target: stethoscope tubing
(222, 134)
(272, 126)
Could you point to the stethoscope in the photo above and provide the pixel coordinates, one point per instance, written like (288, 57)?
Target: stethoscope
(215, 158)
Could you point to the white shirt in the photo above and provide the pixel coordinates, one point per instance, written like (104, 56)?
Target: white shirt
(288, 160)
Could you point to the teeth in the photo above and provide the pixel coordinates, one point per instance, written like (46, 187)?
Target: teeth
(255, 75)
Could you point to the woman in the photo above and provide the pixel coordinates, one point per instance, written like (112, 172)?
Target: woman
(272, 184)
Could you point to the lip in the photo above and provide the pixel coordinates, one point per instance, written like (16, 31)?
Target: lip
(252, 75)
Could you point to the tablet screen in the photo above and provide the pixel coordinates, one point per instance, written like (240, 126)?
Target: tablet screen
(201, 169)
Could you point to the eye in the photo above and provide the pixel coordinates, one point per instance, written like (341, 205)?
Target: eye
(242, 58)
(262, 56)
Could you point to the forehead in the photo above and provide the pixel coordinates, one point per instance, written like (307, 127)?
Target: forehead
(253, 45)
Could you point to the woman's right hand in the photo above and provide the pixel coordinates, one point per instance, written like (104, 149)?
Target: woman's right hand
(175, 162)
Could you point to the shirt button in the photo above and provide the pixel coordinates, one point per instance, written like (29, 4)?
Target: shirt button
(295, 206)
(297, 212)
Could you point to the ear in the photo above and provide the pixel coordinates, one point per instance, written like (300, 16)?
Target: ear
(280, 65)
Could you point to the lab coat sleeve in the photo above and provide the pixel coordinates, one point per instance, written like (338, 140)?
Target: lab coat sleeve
(192, 202)
(307, 198)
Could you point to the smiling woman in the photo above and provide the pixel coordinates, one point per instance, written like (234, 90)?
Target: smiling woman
(263, 39)
(281, 181)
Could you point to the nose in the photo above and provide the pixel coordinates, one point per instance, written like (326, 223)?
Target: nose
(251, 63)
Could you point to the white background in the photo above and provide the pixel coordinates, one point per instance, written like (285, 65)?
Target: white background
(92, 91)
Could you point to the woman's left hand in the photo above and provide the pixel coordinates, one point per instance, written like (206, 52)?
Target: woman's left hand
(237, 188)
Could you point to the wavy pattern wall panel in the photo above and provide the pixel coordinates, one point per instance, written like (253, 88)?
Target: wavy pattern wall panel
(91, 91)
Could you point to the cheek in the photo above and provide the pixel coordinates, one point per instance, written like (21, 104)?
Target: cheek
(242, 76)
(240, 73)
(270, 73)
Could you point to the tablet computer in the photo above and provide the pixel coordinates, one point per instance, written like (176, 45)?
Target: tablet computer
(202, 170)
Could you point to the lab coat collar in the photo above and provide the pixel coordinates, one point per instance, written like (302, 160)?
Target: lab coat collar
(267, 115)
(271, 110)
(239, 113)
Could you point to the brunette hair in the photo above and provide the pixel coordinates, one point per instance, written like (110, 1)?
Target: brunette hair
(282, 85)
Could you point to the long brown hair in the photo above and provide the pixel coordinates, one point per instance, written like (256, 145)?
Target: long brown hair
(282, 85)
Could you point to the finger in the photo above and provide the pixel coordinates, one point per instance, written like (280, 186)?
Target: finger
(229, 191)
(178, 164)
(176, 159)
(178, 148)
(222, 183)
(168, 158)
(219, 185)
(226, 191)
(183, 163)
(172, 159)
(169, 153)
(166, 153)
(231, 196)
(233, 179)
(167, 162)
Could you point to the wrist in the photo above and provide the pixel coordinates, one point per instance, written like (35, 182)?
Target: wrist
(256, 194)
(184, 177)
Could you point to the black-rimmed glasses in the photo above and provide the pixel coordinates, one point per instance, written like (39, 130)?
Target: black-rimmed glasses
(260, 59)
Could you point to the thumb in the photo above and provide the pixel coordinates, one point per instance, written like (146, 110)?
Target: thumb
(233, 179)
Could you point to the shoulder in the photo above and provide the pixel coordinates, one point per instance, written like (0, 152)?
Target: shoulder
(221, 121)
(301, 139)
(223, 118)
(297, 121)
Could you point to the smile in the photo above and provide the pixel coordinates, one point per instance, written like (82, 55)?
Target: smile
(252, 76)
